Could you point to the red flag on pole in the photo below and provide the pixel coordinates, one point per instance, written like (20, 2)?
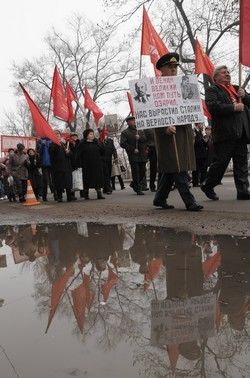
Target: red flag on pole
(131, 105)
(60, 106)
(210, 265)
(107, 286)
(41, 126)
(92, 106)
(245, 32)
(57, 292)
(151, 42)
(71, 96)
(173, 354)
(104, 133)
(205, 110)
(203, 64)
(154, 268)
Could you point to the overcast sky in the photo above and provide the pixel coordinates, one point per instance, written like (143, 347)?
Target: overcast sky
(23, 26)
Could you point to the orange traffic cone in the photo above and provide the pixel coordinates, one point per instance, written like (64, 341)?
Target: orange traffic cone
(30, 197)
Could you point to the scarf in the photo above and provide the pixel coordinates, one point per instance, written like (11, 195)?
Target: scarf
(230, 91)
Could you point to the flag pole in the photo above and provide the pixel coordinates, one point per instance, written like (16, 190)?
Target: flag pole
(50, 98)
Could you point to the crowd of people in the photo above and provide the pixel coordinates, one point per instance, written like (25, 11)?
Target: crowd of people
(180, 154)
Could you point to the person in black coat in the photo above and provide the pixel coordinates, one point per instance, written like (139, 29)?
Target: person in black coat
(134, 143)
(33, 171)
(201, 155)
(61, 168)
(150, 136)
(109, 152)
(89, 153)
(229, 107)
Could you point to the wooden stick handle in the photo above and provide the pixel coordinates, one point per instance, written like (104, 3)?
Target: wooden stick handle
(176, 153)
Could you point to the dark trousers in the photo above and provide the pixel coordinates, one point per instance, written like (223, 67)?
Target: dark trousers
(138, 171)
(182, 183)
(223, 152)
(47, 179)
(153, 166)
(21, 187)
(199, 175)
(107, 168)
(119, 179)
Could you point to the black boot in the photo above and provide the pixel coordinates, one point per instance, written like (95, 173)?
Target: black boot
(99, 194)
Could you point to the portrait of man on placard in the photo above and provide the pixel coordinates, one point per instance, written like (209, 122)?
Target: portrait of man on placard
(189, 90)
(141, 93)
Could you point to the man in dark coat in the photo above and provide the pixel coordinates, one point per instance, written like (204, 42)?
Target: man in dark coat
(134, 142)
(229, 107)
(109, 153)
(175, 151)
(201, 155)
(44, 156)
(61, 168)
(150, 136)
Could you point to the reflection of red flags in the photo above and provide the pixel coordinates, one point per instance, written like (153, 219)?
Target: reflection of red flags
(245, 32)
(107, 286)
(151, 42)
(41, 125)
(60, 106)
(154, 267)
(131, 105)
(57, 292)
(71, 96)
(92, 106)
(173, 354)
(79, 304)
(203, 64)
(205, 110)
(211, 265)
(104, 133)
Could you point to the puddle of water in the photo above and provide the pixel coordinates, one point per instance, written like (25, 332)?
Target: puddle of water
(92, 300)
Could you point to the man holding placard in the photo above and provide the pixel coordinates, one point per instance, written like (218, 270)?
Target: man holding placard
(175, 150)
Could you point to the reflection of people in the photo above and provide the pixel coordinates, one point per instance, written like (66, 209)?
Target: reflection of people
(175, 151)
(141, 90)
(188, 90)
(229, 107)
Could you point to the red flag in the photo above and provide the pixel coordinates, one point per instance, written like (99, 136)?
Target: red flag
(205, 110)
(71, 96)
(41, 125)
(92, 106)
(203, 64)
(154, 267)
(211, 265)
(173, 354)
(131, 105)
(104, 133)
(151, 42)
(245, 32)
(79, 304)
(56, 294)
(107, 286)
(60, 106)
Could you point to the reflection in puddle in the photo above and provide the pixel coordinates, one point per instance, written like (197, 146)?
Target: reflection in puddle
(92, 300)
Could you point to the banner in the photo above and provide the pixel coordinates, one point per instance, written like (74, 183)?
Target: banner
(179, 321)
(111, 121)
(11, 141)
(166, 101)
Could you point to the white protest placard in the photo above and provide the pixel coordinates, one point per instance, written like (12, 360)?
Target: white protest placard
(166, 101)
(180, 321)
(111, 121)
